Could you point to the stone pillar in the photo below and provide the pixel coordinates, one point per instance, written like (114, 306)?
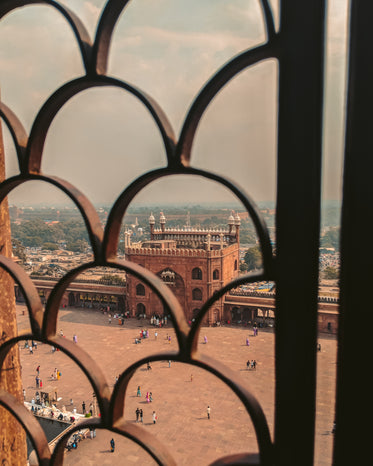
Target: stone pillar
(162, 221)
(231, 222)
(12, 436)
(237, 223)
(151, 224)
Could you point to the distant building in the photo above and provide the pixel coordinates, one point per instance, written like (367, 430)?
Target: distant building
(193, 262)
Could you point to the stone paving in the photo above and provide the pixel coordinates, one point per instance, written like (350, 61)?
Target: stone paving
(180, 403)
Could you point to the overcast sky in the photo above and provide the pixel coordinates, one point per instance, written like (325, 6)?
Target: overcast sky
(104, 138)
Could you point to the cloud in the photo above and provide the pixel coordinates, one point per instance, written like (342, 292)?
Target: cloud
(170, 49)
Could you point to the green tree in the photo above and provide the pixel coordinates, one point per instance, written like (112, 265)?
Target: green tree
(253, 258)
(243, 266)
(331, 273)
(50, 246)
(331, 239)
(80, 245)
(19, 250)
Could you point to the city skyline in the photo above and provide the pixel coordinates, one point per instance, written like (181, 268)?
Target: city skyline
(169, 50)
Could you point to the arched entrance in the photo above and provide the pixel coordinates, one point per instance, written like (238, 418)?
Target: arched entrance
(236, 315)
(140, 310)
(71, 299)
(247, 314)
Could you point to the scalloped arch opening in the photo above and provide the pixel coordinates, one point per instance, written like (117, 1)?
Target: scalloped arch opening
(245, 341)
(10, 153)
(181, 394)
(31, 39)
(190, 231)
(99, 449)
(54, 383)
(47, 234)
(101, 140)
(203, 36)
(237, 133)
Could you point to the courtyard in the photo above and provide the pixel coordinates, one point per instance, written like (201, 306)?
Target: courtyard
(180, 392)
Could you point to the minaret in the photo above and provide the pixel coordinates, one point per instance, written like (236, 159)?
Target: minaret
(208, 242)
(221, 240)
(162, 221)
(231, 222)
(237, 223)
(151, 224)
(127, 239)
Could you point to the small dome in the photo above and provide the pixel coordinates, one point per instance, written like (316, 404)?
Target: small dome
(231, 219)
(152, 219)
(237, 220)
(162, 218)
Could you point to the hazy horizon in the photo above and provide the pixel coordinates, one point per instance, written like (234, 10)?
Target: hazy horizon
(103, 138)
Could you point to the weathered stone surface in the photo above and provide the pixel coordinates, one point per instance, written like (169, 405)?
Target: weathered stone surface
(12, 436)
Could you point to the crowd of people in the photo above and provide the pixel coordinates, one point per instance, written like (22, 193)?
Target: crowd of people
(144, 334)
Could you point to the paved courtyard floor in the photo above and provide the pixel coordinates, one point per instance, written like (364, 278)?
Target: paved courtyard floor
(179, 400)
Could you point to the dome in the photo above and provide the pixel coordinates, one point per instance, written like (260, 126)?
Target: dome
(152, 219)
(162, 218)
(231, 219)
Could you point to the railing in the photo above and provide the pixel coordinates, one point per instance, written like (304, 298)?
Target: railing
(79, 280)
(174, 252)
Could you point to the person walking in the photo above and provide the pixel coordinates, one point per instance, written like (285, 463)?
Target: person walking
(155, 334)
(208, 412)
(137, 414)
(247, 342)
(154, 416)
(141, 416)
(37, 381)
(83, 407)
(138, 391)
(205, 339)
(248, 364)
(38, 369)
(75, 338)
(112, 445)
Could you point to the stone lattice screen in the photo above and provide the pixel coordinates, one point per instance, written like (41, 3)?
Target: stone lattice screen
(298, 47)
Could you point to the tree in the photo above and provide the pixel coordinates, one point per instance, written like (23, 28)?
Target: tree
(253, 258)
(243, 266)
(79, 245)
(331, 273)
(19, 250)
(331, 239)
(50, 246)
